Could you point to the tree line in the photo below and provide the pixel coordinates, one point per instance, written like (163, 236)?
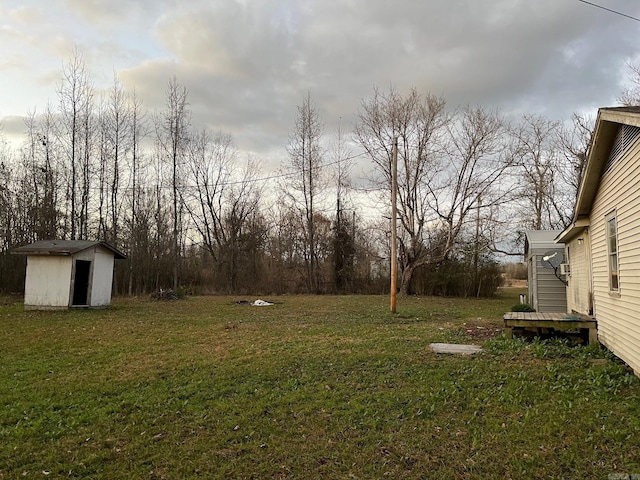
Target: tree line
(191, 213)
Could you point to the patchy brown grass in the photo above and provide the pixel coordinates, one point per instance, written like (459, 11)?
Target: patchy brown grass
(312, 387)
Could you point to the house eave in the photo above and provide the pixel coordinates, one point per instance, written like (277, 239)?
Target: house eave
(573, 230)
(604, 134)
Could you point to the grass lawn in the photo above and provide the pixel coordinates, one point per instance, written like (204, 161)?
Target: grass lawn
(312, 387)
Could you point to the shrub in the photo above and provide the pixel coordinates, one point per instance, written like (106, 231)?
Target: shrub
(455, 277)
(522, 307)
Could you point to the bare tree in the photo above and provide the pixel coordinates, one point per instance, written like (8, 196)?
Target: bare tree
(224, 207)
(118, 146)
(137, 131)
(450, 166)
(306, 182)
(244, 228)
(75, 96)
(161, 244)
(39, 174)
(344, 227)
(574, 143)
(419, 125)
(538, 157)
(285, 245)
(172, 134)
(6, 195)
(476, 161)
(210, 164)
(86, 175)
(50, 154)
(11, 221)
(630, 96)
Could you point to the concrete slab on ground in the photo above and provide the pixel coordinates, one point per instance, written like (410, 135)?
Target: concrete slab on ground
(455, 348)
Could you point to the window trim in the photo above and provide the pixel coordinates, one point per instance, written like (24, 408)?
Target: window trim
(613, 257)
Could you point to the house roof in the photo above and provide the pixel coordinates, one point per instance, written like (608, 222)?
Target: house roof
(607, 123)
(64, 248)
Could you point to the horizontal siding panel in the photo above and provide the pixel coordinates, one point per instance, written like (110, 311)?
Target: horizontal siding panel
(624, 311)
(628, 283)
(618, 316)
(620, 189)
(621, 346)
(627, 354)
(615, 337)
(628, 262)
(553, 287)
(550, 291)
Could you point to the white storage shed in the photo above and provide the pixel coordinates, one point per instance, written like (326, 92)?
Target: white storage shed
(68, 273)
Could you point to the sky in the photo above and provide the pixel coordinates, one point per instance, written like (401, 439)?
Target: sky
(247, 64)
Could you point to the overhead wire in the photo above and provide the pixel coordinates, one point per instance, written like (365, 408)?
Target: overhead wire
(610, 10)
(252, 180)
(291, 174)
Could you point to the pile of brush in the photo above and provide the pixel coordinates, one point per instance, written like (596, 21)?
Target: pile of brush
(165, 295)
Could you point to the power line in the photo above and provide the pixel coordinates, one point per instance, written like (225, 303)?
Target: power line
(244, 181)
(279, 175)
(610, 10)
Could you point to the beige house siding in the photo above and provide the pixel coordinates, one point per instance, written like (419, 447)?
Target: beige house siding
(579, 290)
(618, 313)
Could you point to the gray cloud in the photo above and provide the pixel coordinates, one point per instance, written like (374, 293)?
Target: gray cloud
(248, 63)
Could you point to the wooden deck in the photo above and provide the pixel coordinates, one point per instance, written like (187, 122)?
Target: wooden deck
(557, 321)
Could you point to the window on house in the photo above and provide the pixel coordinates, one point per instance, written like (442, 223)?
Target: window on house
(612, 242)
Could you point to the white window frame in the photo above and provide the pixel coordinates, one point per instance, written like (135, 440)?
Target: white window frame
(613, 252)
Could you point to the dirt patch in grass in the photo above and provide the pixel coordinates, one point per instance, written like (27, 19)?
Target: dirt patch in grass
(480, 331)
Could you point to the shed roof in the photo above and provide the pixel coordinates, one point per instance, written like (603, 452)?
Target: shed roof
(541, 239)
(64, 248)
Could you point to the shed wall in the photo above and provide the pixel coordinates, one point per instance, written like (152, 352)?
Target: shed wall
(618, 313)
(102, 278)
(47, 282)
(546, 292)
(532, 285)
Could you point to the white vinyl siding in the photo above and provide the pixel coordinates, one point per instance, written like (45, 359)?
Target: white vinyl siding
(101, 275)
(47, 282)
(547, 292)
(618, 312)
(102, 278)
(579, 294)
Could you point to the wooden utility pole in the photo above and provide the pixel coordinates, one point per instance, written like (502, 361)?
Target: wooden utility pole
(476, 250)
(394, 255)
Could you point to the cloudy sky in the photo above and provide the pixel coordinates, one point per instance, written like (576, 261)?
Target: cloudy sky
(248, 63)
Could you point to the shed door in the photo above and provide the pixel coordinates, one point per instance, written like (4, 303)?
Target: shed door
(81, 282)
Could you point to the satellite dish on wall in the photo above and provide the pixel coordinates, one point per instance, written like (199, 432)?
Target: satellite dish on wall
(552, 259)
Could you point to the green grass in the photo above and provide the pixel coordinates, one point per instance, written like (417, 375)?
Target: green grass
(312, 387)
